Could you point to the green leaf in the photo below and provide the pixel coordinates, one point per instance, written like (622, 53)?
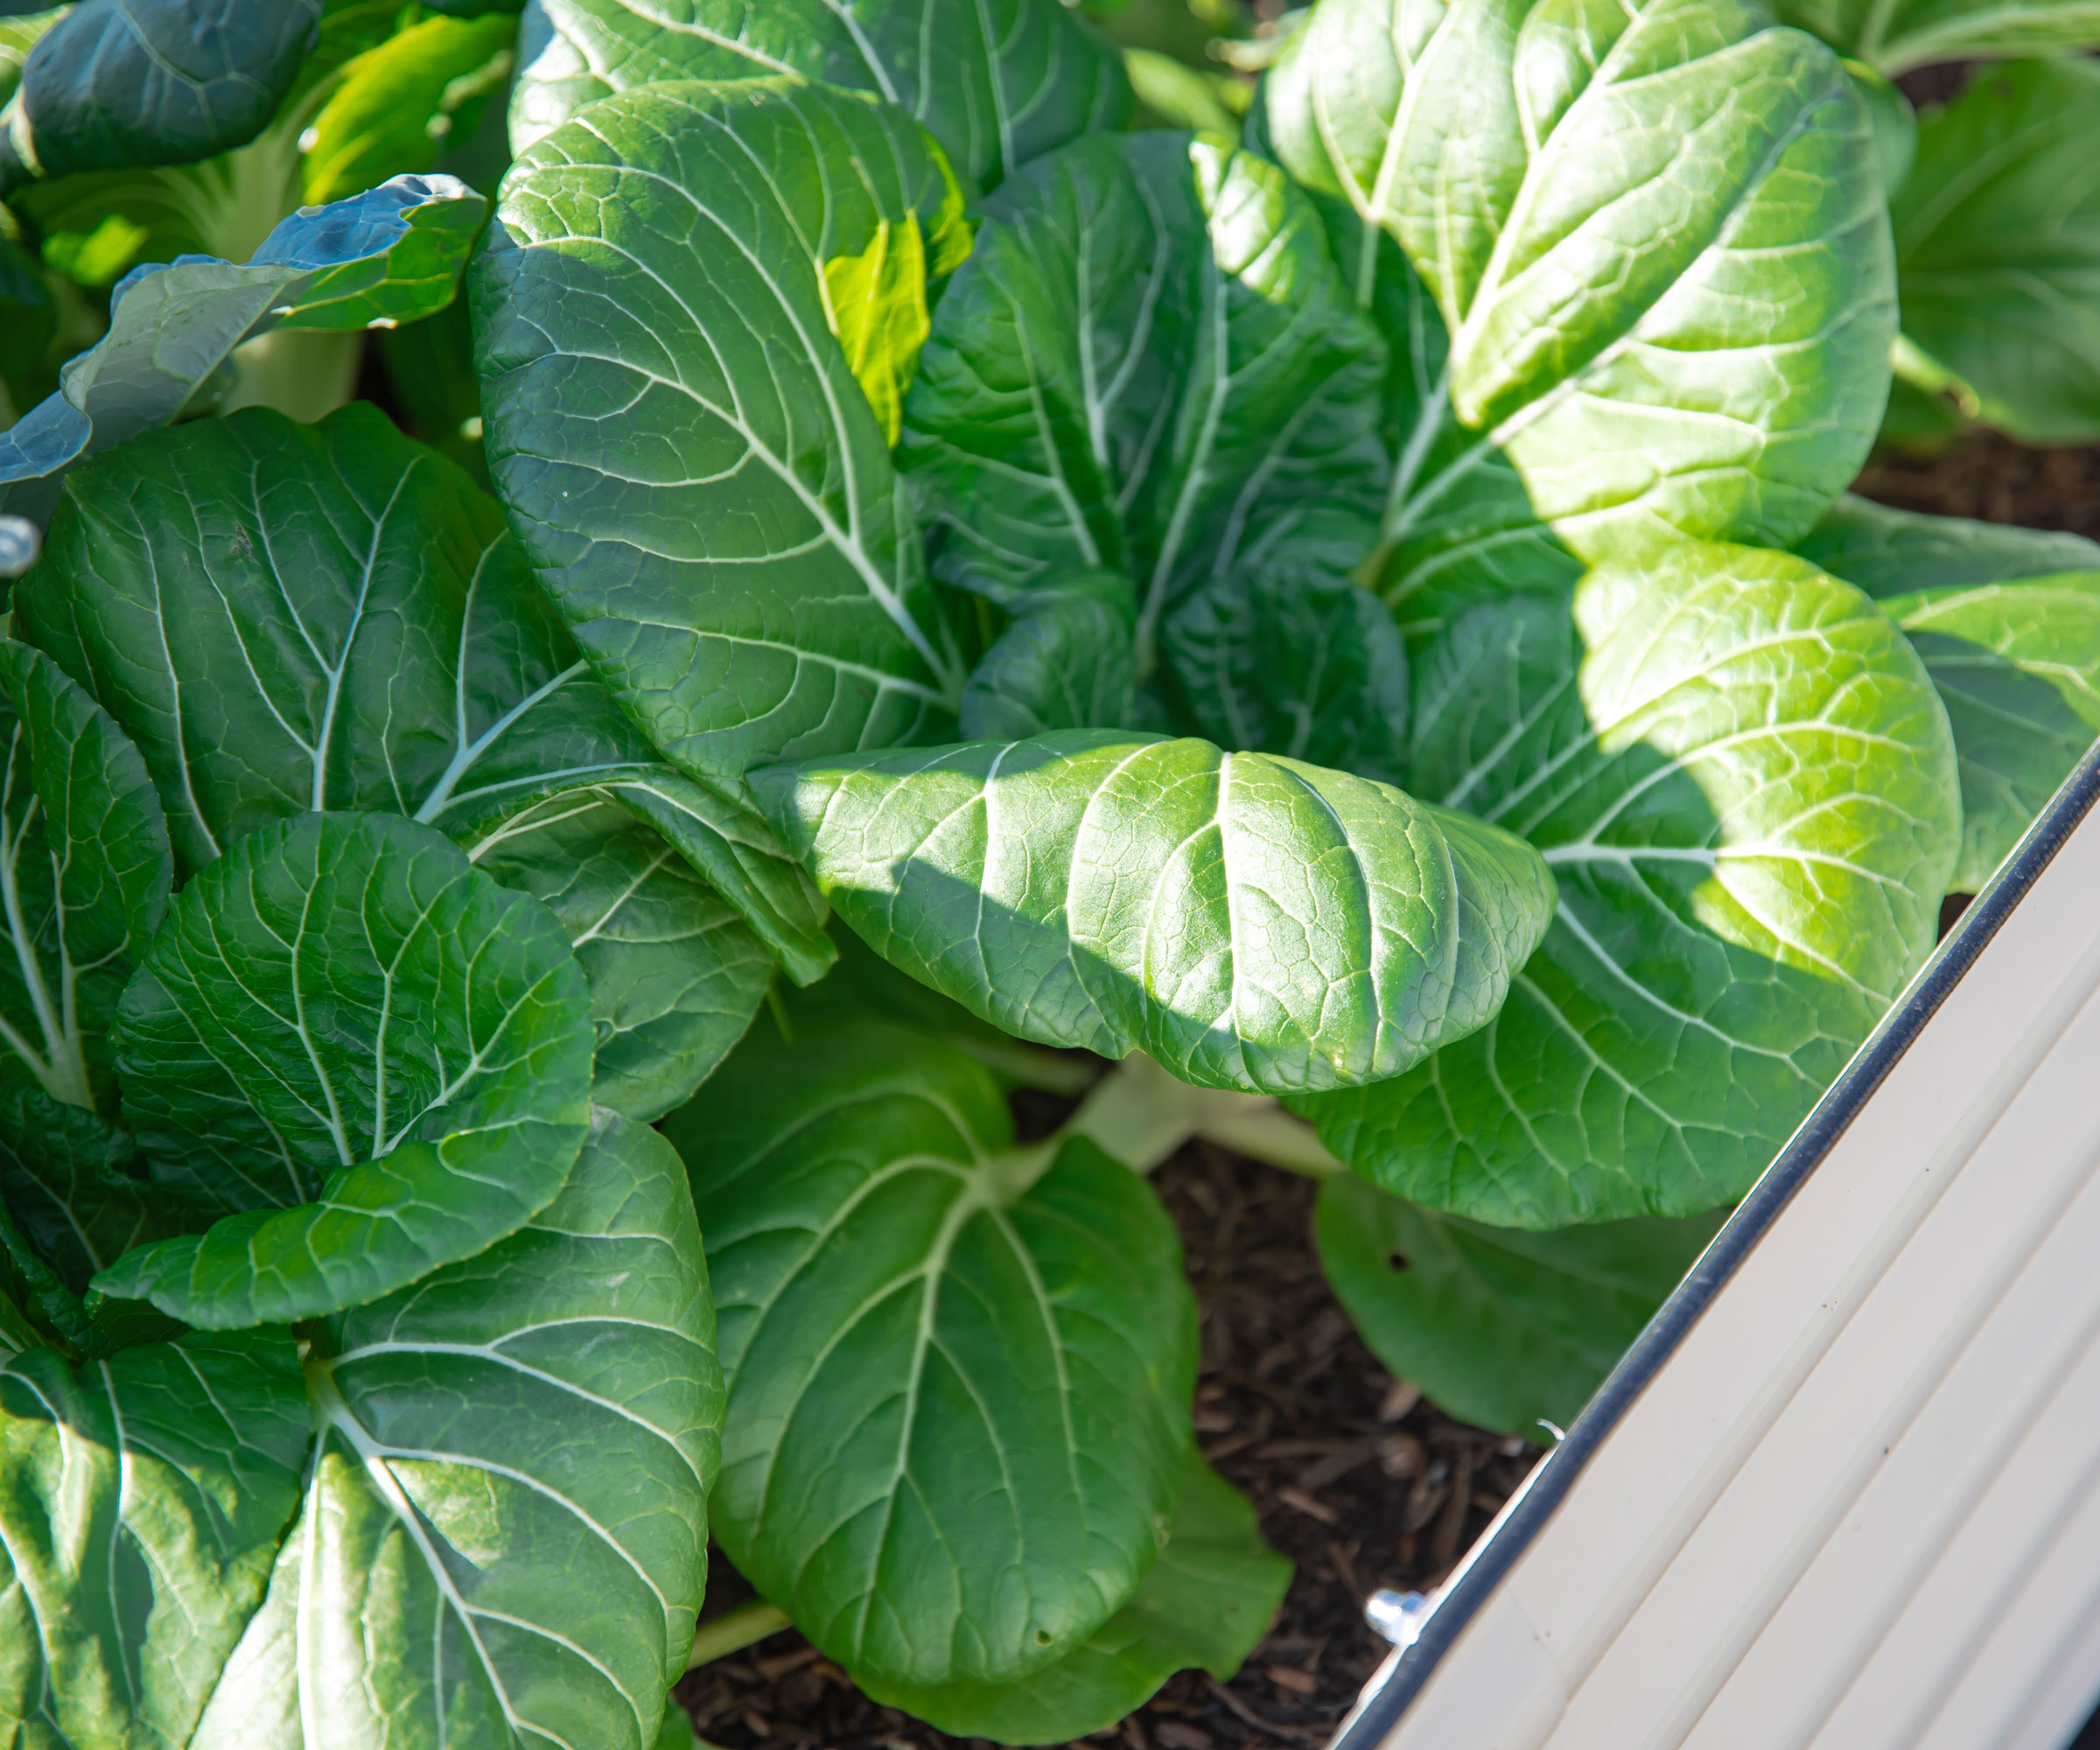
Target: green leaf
(120, 82)
(1896, 36)
(959, 1372)
(1743, 781)
(2008, 621)
(28, 328)
(142, 1500)
(502, 1537)
(995, 82)
(391, 254)
(1249, 921)
(1065, 662)
(1500, 1327)
(84, 874)
(377, 1056)
(696, 476)
(1655, 238)
(676, 975)
(395, 104)
(19, 35)
(291, 618)
(1148, 362)
(66, 1178)
(1997, 247)
(1289, 655)
(1207, 1601)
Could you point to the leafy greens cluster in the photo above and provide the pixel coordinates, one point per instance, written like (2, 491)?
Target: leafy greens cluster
(1357, 622)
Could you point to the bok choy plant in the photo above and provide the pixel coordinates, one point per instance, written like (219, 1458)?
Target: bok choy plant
(1352, 643)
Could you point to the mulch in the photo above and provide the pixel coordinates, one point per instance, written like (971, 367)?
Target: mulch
(1357, 1480)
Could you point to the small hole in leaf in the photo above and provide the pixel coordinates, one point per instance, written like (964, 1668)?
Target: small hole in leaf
(1042, 1637)
(1396, 1262)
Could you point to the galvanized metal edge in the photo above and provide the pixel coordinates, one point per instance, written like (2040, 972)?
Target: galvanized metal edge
(1391, 1692)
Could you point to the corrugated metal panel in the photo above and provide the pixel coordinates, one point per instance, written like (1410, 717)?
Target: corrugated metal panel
(1852, 1501)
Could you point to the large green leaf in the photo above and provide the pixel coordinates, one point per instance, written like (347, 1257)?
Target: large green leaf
(2008, 623)
(118, 82)
(391, 254)
(1148, 362)
(142, 1500)
(677, 431)
(1249, 921)
(377, 1056)
(1503, 1328)
(292, 619)
(675, 974)
(67, 1178)
(1896, 36)
(1743, 781)
(1655, 239)
(84, 874)
(1997, 247)
(959, 1372)
(1206, 1602)
(995, 82)
(503, 1536)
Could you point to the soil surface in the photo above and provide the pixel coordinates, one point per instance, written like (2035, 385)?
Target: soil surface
(1359, 1483)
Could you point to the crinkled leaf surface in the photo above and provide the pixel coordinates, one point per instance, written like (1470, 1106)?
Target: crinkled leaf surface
(1997, 246)
(377, 1056)
(1899, 35)
(680, 440)
(1065, 662)
(84, 874)
(2008, 623)
(1148, 360)
(502, 1539)
(675, 974)
(119, 83)
(1743, 781)
(1250, 921)
(1505, 1329)
(995, 82)
(1656, 237)
(292, 619)
(391, 254)
(1206, 1602)
(959, 1372)
(142, 1500)
(66, 1178)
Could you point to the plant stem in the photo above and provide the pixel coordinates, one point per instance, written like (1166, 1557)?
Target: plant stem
(1140, 1114)
(733, 1632)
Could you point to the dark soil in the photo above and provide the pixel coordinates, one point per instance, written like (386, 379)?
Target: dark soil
(1355, 1480)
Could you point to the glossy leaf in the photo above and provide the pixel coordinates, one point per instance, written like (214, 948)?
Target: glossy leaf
(1148, 362)
(1065, 662)
(1249, 921)
(676, 975)
(1655, 238)
(1503, 1328)
(142, 1500)
(84, 874)
(696, 474)
(1997, 247)
(995, 83)
(394, 106)
(503, 1535)
(393, 253)
(2008, 621)
(959, 1372)
(377, 1056)
(1897, 36)
(118, 82)
(1206, 1602)
(1743, 781)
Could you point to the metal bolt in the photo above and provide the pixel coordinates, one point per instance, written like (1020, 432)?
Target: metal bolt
(1398, 1615)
